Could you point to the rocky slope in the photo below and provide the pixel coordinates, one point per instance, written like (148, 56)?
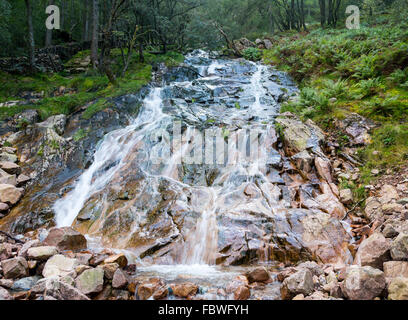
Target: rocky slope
(289, 227)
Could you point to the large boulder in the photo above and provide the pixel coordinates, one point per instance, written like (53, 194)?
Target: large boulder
(363, 283)
(373, 251)
(66, 238)
(10, 167)
(119, 280)
(399, 247)
(120, 259)
(90, 281)
(59, 266)
(398, 289)
(299, 283)
(15, 268)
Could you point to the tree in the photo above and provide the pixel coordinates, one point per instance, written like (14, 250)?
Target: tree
(31, 43)
(95, 33)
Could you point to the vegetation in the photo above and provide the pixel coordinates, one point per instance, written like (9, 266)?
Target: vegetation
(344, 71)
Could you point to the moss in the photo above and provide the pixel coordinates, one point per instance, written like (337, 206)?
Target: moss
(85, 87)
(365, 70)
(79, 135)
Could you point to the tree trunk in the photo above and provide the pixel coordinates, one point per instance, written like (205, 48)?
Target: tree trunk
(322, 4)
(85, 21)
(95, 29)
(31, 43)
(48, 32)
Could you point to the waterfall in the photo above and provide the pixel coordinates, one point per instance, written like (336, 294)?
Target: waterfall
(226, 83)
(108, 159)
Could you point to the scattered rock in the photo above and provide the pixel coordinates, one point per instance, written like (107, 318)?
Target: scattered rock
(184, 290)
(395, 269)
(10, 167)
(42, 253)
(389, 231)
(90, 281)
(25, 284)
(373, 251)
(10, 194)
(119, 280)
(399, 247)
(299, 283)
(120, 259)
(242, 293)
(398, 289)
(5, 295)
(258, 275)
(59, 266)
(15, 268)
(66, 238)
(346, 196)
(363, 283)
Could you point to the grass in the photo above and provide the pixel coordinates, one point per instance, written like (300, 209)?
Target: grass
(344, 71)
(87, 87)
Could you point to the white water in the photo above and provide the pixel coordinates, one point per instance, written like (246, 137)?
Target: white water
(112, 150)
(201, 243)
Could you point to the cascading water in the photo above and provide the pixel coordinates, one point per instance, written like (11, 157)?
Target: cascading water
(108, 159)
(229, 96)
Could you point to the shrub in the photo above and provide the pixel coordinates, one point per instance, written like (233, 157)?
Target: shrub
(253, 54)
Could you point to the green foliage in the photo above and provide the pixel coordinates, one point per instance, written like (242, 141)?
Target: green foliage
(253, 54)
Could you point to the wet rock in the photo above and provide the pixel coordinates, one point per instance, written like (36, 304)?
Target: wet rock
(395, 269)
(119, 280)
(242, 293)
(147, 288)
(15, 268)
(363, 283)
(399, 247)
(184, 290)
(59, 266)
(258, 275)
(66, 238)
(10, 194)
(42, 253)
(120, 259)
(5, 295)
(161, 293)
(299, 283)
(373, 251)
(90, 281)
(398, 289)
(346, 196)
(10, 167)
(25, 284)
